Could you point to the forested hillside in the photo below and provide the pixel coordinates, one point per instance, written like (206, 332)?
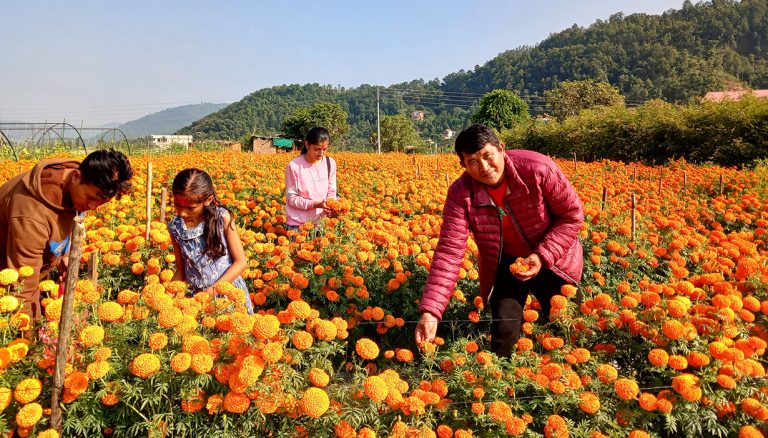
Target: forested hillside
(168, 120)
(676, 56)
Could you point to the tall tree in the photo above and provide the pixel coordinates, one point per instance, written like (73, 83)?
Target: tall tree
(397, 132)
(501, 109)
(330, 116)
(570, 97)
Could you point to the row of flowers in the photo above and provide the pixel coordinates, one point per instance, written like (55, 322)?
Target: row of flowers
(669, 339)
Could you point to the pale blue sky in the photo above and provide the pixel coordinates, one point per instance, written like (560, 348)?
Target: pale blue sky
(94, 62)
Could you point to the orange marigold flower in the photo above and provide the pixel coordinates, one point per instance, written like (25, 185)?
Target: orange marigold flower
(265, 327)
(725, 381)
(27, 390)
(606, 373)
(677, 362)
(673, 329)
(556, 427)
(201, 363)
(376, 388)
(589, 402)
(145, 365)
(213, 404)
(158, 341)
(647, 401)
(658, 357)
(302, 340)
(6, 395)
(747, 431)
(299, 309)
(367, 349)
(318, 377)
(626, 389)
(272, 352)
(181, 362)
(404, 355)
(314, 403)
(236, 403)
(102, 353)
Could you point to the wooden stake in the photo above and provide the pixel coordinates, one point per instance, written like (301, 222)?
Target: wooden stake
(721, 183)
(163, 201)
(634, 217)
(447, 180)
(634, 177)
(65, 321)
(93, 266)
(418, 171)
(605, 198)
(661, 177)
(575, 166)
(685, 180)
(149, 200)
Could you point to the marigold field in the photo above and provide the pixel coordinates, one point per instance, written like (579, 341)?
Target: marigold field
(669, 340)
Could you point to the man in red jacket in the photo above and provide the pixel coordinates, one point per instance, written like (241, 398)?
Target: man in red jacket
(516, 203)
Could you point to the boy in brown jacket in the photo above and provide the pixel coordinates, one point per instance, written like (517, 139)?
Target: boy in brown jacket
(37, 209)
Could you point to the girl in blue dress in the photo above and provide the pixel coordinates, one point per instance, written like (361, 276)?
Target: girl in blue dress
(206, 244)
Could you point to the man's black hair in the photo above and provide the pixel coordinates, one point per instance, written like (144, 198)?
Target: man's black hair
(474, 138)
(109, 170)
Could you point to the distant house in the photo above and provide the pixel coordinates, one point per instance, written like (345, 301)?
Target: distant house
(263, 144)
(417, 116)
(448, 133)
(169, 139)
(719, 96)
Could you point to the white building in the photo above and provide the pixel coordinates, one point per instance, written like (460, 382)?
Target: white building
(417, 116)
(448, 133)
(169, 139)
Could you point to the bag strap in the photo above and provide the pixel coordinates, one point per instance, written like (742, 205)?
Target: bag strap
(328, 163)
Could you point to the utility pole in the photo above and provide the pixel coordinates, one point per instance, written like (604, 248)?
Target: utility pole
(378, 123)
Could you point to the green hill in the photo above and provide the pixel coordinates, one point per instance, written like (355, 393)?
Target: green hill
(676, 56)
(168, 120)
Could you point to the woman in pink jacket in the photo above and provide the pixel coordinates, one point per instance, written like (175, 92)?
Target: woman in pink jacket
(516, 203)
(310, 180)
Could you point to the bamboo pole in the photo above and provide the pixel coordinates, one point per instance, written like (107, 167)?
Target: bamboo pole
(93, 266)
(163, 202)
(685, 180)
(65, 321)
(447, 180)
(149, 201)
(634, 177)
(575, 165)
(661, 178)
(634, 215)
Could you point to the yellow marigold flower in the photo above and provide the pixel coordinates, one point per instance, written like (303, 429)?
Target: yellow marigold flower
(201, 363)
(102, 353)
(236, 403)
(48, 433)
(53, 309)
(91, 335)
(314, 402)
(87, 291)
(376, 388)
(181, 362)
(177, 287)
(302, 340)
(265, 327)
(158, 341)
(272, 352)
(29, 415)
(169, 317)
(22, 321)
(318, 377)
(126, 296)
(8, 276)
(47, 286)
(8, 304)
(27, 390)
(241, 322)
(110, 311)
(26, 271)
(299, 309)
(98, 369)
(6, 395)
(195, 344)
(367, 349)
(145, 365)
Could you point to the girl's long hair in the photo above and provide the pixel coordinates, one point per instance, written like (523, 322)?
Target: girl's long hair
(315, 135)
(197, 185)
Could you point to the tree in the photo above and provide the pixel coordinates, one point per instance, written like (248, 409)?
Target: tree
(397, 132)
(501, 109)
(330, 116)
(571, 97)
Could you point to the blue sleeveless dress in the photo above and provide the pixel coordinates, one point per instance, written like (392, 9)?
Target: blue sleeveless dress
(200, 271)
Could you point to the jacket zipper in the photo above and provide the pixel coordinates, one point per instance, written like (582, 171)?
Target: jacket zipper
(501, 247)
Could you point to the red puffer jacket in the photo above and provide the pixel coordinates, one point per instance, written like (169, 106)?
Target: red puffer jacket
(544, 207)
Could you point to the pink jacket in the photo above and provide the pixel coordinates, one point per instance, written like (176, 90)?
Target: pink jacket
(545, 209)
